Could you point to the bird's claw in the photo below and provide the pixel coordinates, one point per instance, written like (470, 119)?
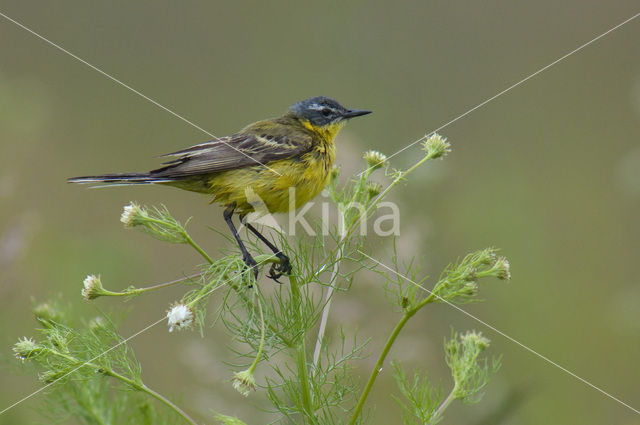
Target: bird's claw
(281, 268)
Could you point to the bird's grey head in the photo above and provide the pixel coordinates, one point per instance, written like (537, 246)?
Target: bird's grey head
(322, 111)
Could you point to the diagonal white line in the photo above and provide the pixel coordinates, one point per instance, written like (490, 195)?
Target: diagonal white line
(531, 350)
(480, 105)
(95, 68)
(119, 344)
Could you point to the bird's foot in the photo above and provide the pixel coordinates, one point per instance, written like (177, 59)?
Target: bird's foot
(281, 268)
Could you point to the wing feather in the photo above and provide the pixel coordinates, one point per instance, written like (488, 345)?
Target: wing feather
(237, 151)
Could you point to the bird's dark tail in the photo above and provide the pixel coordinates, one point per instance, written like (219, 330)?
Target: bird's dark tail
(120, 179)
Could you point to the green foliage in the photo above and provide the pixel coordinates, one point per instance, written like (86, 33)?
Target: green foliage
(273, 325)
(422, 399)
(459, 281)
(157, 222)
(73, 362)
(470, 373)
(424, 403)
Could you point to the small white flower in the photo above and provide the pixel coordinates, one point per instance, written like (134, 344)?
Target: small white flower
(92, 287)
(243, 382)
(436, 146)
(375, 159)
(475, 339)
(130, 214)
(179, 317)
(26, 348)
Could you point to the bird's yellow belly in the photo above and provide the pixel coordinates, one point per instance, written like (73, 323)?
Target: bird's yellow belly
(253, 188)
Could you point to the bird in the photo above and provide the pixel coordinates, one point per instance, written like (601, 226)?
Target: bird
(265, 158)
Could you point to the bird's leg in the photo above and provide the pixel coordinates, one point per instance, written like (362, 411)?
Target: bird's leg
(246, 257)
(276, 270)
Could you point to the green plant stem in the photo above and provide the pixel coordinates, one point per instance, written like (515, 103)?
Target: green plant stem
(378, 367)
(197, 248)
(301, 352)
(340, 247)
(345, 234)
(138, 291)
(152, 393)
(327, 306)
(262, 329)
(180, 229)
(383, 355)
(440, 410)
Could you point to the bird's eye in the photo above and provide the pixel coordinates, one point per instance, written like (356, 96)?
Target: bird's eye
(326, 112)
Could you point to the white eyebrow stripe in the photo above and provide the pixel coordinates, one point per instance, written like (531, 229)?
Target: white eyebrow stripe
(318, 107)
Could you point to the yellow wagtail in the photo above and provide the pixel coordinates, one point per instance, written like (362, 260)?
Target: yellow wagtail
(267, 157)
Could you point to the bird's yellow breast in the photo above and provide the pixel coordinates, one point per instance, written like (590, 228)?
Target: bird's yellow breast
(254, 188)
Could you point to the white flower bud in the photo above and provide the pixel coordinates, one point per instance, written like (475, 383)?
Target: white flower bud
(503, 268)
(375, 159)
(130, 214)
(92, 287)
(26, 348)
(436, 146)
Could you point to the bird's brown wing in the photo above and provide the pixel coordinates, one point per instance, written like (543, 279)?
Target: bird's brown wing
(240, 150)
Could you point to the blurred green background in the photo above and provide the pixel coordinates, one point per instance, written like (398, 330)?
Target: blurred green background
(549, 172)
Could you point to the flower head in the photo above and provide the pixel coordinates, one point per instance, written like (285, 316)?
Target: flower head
(131, 214)
(157, 222)
(92, 287)
(26, 349)
(47, 314)
(475, 339)
(503, 268)
(469, 371)
(373, 189)
(243, 382)
(375, 159)
(436, 146)
(179, 317)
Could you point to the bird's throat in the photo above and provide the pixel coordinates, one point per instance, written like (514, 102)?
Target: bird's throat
(327, 132)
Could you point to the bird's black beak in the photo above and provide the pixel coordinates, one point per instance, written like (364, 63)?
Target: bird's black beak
(355, 113)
